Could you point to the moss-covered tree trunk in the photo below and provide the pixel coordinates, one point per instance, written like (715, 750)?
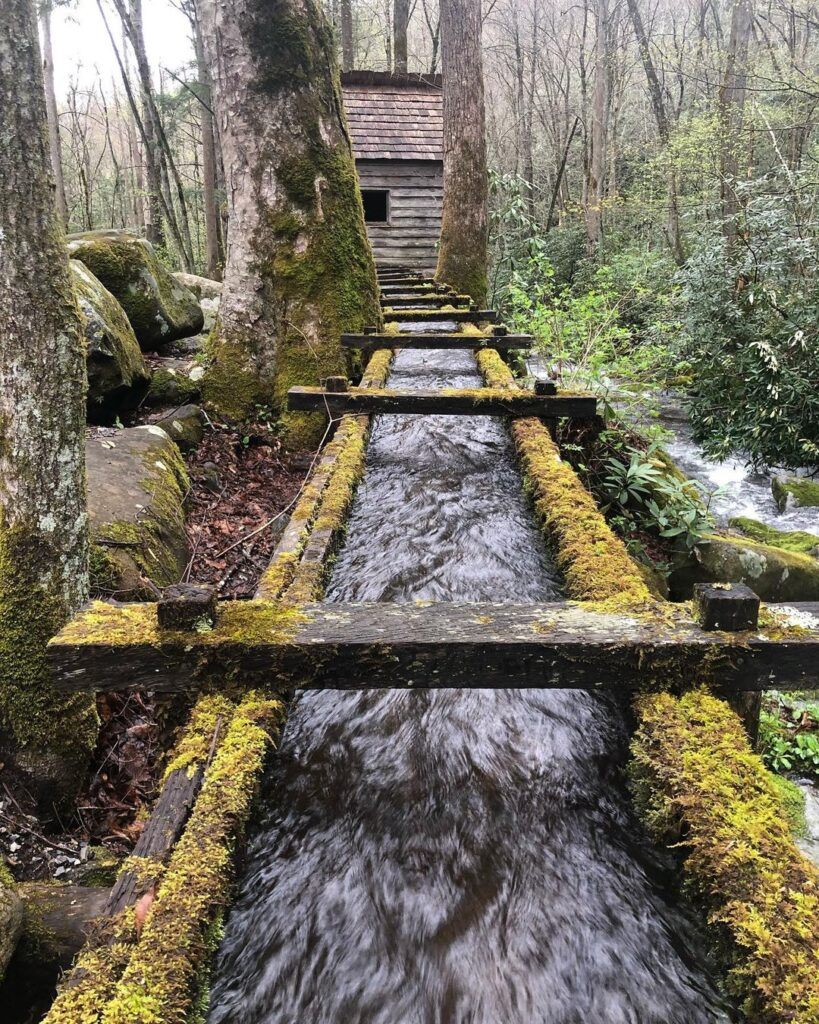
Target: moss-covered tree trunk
(464, 234)
(43, 519)
(299, 268)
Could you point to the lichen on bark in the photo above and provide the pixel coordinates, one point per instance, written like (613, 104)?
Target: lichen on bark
(299, 268)
(43, 520)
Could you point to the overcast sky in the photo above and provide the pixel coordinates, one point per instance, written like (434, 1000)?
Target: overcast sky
(80, 40)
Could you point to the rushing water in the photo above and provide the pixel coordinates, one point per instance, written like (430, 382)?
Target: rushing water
(452, 856)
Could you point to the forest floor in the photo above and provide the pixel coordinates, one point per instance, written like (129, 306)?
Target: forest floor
(243, 485)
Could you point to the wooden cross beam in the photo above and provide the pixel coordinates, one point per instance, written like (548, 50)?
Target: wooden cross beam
(458, 316)
(423, 300)
(392, 646)
(446, 401)
(443, 341)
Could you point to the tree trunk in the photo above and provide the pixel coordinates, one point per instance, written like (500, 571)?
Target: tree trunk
(673, 232)
(732, 109)
(151, 156)
(54, 146)
(299, 268)
(213, 255)
(462, 256)
(400, 23)
(597, 155)
(347, 52)
(43, 518)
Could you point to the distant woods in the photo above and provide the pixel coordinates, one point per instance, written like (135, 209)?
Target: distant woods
(610, 116)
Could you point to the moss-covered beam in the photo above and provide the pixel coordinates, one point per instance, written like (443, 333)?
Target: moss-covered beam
(159, 985)
(458, 316)
(88, 987)
(593, 560)
(330, 477)
(582, 646)
(444, 401)
(702, 789)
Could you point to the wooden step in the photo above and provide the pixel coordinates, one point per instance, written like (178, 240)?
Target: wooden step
(446, 402)
(460, 316)
(442, 341)
(401, 646)
(432, 300)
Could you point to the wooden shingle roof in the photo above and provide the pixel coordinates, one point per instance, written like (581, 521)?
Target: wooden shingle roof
(394, 117)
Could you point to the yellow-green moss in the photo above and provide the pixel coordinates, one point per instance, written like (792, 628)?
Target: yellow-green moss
(159, 984)
(194, 745)
(699, 785)
(59, 731)
(798, 541)
(594, 562)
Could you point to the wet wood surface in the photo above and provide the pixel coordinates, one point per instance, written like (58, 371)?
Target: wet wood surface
(383, 646)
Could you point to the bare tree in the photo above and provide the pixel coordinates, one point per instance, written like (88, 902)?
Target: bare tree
(597, 149)
(400, 24)
(299, 268)
(54, 145)
(347, 47)
(732, 109)
(43, 519)
(462, 256)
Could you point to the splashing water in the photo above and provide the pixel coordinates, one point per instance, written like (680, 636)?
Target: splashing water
(452, 856)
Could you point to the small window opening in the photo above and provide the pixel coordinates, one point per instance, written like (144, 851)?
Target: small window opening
(376, 205)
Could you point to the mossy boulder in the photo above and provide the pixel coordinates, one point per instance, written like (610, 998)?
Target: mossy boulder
(11, 917)
(789, 540)
(773, 573)
(159, 308)
(202, 287)
(795, 492)
(118, 375)
(175, 382)
(186, 426)
(137, 484)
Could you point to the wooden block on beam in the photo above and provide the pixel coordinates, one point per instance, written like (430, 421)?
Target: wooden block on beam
(446, 402)
(729, 607)
(187, 606)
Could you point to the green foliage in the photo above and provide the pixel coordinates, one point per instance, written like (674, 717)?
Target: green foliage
(753, 318)
(789, 736)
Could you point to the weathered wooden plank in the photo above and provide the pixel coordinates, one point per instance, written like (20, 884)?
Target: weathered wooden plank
(430, 301)
(459, 316)
(445, 402)
(442, 341)
(387, 646)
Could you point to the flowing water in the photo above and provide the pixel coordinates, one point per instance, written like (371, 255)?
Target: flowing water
(452, 856)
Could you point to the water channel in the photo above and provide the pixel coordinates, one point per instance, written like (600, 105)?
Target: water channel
(453, 856)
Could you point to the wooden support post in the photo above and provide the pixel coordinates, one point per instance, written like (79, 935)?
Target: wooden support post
(545, 387)
(336, 385)
(732, 608)
(187, 606)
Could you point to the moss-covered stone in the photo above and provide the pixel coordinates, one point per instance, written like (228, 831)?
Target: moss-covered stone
(118, 375)
(773, 573)
(137, 484)
(159, 308)
(11, 917)
(202, 287)
(795, 492)
(185, 426)
(173, 385)
(795, 540)
(700, 788)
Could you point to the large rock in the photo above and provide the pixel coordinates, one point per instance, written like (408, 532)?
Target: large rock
(11, 918)
(202, 287)
(791, 540)
(795, 492)
(175, 382)
(773, 573)
(159, 307)
(118, 375)
(137, 484)
(186, 426)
